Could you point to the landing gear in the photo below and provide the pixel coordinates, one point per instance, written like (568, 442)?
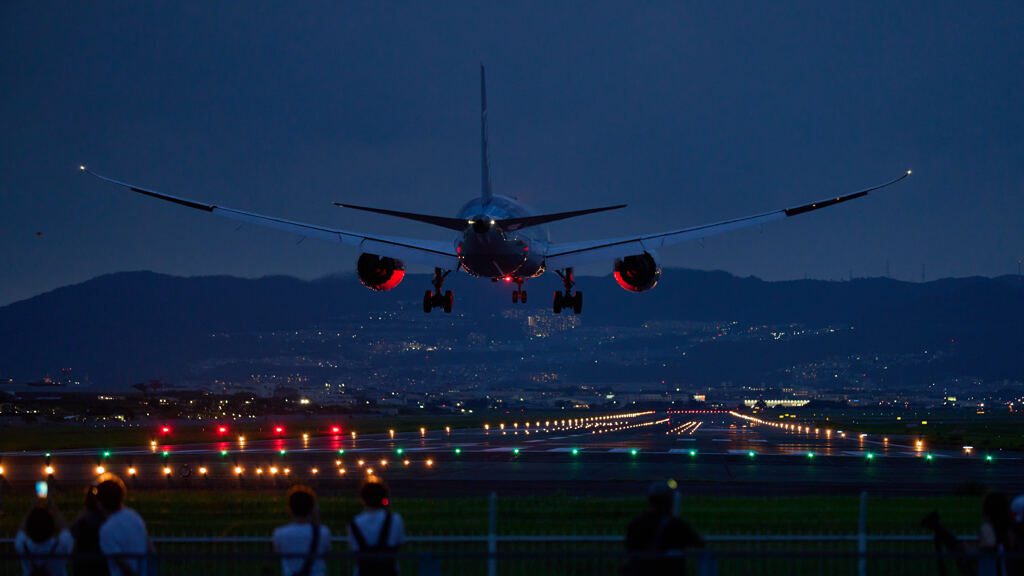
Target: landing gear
(519, 295)
(567, 299)
(435, 299)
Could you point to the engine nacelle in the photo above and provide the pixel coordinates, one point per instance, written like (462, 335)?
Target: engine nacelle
(379, 272)
(637, 273)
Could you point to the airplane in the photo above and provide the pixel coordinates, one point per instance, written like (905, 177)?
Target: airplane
(500, 239)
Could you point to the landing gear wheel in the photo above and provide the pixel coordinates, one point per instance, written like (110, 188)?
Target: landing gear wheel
(428, 301)
(449, 299)
(577, 303)
(515, 296)
(522, 296)
(557, 304)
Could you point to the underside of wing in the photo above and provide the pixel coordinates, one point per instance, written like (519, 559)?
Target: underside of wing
(430, 252)
(570, 254)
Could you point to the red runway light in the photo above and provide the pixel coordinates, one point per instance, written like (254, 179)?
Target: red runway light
(335, 429)
(279, 429)
(222, 429)
(166, 429)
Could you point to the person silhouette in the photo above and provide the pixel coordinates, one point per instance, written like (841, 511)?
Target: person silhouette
(656, 540)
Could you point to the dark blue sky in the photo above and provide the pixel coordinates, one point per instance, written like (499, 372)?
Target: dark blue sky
(688, 113)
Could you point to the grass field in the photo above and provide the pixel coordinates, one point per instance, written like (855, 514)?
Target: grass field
(241, 513)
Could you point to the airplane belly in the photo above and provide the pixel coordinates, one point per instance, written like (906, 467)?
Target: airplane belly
(486, 256)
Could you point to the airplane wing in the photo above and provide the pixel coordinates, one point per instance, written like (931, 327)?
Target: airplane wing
(569, 254)
(430, 252)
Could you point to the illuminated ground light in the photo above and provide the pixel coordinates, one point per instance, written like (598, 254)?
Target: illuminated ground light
(238, 471)
(369, 471)
(48, 470)
(988, 457)
(314, 471)
(430, 462)
(341, 471)
(391, 433)
(152, 444)
(273, 470)
(399, 451)
(341, 451)
(222, 429)
(202, 471)
(1, 470)
(305, 436)
(167, 471)
(448, 429)
(423, 431)
(131, 471)
(100, 470)
(810, 454)
(458, 450)
(335, 429)
(406, 462)
(752, 454)
(515, 451)
(869, 456)
(634, 452)
(575, 451)
(927, 456)
(353, 435)
(223, 452)
(693, 452)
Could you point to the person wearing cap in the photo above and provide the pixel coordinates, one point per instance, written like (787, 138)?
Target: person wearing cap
(376, 533)
(656, 539)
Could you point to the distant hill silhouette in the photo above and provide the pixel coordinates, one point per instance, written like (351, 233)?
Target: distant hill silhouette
(132, 326)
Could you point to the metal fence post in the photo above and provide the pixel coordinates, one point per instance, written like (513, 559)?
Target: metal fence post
(862, 536)
(492, 537)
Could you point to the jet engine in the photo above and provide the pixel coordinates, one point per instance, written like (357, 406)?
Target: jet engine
(637, 273)
(379, 272)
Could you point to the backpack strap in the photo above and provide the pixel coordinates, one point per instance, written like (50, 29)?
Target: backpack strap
(357, 534)
(655, 544)
(385, 531)
(314, 544)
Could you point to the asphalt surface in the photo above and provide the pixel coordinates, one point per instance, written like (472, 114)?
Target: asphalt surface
(707, 453)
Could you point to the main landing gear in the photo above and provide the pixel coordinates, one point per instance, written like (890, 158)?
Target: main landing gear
(519, 295)
(435, 299)
(567, 300)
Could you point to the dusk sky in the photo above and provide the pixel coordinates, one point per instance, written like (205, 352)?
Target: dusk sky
(690, 113)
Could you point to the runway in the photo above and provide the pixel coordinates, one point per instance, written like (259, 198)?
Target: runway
(714, 453)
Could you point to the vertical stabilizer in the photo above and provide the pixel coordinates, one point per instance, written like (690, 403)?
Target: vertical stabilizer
(485, 159)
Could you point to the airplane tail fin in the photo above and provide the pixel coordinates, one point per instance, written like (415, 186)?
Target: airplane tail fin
(485, 159)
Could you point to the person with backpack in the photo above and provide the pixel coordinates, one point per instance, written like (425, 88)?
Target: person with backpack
(123, 536)
(656, 539)
(302, 542)
(44, 541)
(88, 557)
(376, 533)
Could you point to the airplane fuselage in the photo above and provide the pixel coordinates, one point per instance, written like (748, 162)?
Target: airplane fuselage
(487, 251)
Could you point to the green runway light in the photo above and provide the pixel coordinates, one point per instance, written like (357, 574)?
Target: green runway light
(810, 454)
(223, 452)
(458, 450)
(927, 456)
(47, 454)
(988, 457)
(341, 451)
(283, 452)
(399, 451)
(869, 456)
(106, 454)
(633, 452)
(751, 453)
(693, 452)
(515, 451)
(166, 453)
(575, 451)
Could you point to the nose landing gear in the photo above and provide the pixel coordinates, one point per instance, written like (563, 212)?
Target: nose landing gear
(567, 300)
(519, 295)
(435, 299)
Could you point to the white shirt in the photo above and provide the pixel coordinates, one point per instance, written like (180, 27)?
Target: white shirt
(59, 546)
(370, 523)
(124, 532)
(295, 539)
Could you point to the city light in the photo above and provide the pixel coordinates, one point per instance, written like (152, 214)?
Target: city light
(406, 462)
(369, 471)
(383, 462)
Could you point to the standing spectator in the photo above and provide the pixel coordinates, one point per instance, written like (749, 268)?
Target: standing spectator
(994, 535)
(303, 541)
(88, 557)
(123, 536)
(376, 533)
(655, 540)
(1015, 562)
(44, 541)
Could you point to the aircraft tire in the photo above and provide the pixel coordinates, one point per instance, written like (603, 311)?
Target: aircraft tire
(428, 301)
(522, 296)
(557, 303)
(577, 303)
(449, 299)
(515, 296)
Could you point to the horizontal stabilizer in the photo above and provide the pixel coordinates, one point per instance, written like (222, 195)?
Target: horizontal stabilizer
(526, 221)
(442, 221)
